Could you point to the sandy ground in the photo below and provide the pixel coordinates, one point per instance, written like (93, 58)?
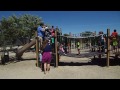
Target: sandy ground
(70, 68)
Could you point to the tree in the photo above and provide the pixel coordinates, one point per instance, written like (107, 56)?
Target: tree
(15, 27)
(66, 34)
(86, 33)
(30, 23)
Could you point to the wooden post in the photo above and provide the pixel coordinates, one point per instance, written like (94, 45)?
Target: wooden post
(100, 52)
(108, 47)
(56, 50)
(90, 43)
(37, 50)
(70, 46)
(80, 43)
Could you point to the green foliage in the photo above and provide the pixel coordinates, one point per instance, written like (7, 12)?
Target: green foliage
(15, 27)
(86, 33)
(65, 34)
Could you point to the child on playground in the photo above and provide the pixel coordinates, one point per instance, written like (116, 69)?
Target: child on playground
(78, 47)
(52, 30)
(114, 36)
(40, 59)
(102, 42)
(61, 50)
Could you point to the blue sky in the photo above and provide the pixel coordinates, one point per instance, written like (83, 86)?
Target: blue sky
(76, 21)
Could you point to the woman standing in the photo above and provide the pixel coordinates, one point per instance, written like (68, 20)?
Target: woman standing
(46, 57)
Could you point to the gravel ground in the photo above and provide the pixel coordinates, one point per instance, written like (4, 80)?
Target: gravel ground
(70, 68)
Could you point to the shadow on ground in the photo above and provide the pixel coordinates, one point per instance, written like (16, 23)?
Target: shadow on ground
(83, 55)
(14, 60)
(100, 62)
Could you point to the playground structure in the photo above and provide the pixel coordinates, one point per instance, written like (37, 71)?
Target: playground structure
(20, 51)
(97, 50)
(35, 41)
(110, 51)
(60, 38)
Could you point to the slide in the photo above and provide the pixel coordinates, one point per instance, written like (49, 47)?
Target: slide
(20, 51)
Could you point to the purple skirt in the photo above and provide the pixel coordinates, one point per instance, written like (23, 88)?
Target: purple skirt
(47, 57)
